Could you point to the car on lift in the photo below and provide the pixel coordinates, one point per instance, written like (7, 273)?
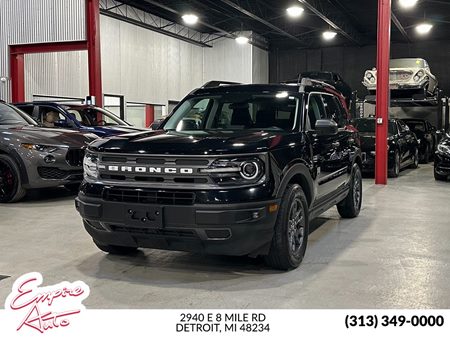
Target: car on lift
(408, 78)
(244, 176)
(403, 146)
(442, 159)
(36, 157)
(81, 117)
(332, 78)
(426, 135)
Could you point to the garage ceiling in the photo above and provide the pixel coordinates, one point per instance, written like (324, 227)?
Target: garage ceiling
(355, 22)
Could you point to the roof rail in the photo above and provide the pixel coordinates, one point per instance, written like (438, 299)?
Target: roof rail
(212, 84)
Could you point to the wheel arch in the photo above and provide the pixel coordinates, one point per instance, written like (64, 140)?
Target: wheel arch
(298, 174)
(19, 162)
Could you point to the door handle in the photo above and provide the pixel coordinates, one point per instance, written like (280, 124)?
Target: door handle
(336, 144)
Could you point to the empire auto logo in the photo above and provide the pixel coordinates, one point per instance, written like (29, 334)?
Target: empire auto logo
(45, 308)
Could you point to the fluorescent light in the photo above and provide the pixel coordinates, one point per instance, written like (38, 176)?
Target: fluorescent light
(329, 35)
(295, 11)
(424, 28)
(408, 3)
(190, 19)
(242, 39)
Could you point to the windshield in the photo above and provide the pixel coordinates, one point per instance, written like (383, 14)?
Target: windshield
(407, 63)
(416, 125)
(368, 125)
(94, 116)
(235, 111)
(10, 115)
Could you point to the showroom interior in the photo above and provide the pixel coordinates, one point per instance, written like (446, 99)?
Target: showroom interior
(140, 59)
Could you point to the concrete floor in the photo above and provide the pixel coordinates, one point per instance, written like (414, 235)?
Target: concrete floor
(396, 254)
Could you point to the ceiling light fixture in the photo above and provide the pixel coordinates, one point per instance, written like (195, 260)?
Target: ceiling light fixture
(424, 28)
(241, 39)
(295, 11)
(190, 19)
(408, 3)
(329, 35)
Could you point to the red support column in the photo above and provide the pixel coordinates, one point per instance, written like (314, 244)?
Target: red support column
(17, 77)
(149, 115)
(383, 92)
(94, 55)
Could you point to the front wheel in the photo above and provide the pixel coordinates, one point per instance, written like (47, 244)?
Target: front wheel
(290, 236)
(11, 189)
(351, 205)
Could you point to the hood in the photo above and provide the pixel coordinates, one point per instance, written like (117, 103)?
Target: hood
(49, 136)
(104, 131)
(200, 143)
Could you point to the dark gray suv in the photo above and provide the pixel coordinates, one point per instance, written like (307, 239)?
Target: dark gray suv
(35, 157)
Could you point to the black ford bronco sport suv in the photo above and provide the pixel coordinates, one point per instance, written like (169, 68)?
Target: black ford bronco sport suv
(234, 170)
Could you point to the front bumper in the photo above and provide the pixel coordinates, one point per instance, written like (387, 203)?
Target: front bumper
(368, 161)
(442, 164)
(225, 229)
(64, 169)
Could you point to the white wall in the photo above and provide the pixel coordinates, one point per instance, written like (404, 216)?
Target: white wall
(59, 74)
(140, 64)
(36, 21)
(146, 66)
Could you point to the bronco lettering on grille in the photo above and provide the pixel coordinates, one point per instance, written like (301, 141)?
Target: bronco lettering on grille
(147, 169)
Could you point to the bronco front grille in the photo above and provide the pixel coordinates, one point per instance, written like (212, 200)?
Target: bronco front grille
(148, 196)
(75, 157)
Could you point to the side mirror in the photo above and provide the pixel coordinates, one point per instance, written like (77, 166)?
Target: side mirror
(326, 127)
(155, 125)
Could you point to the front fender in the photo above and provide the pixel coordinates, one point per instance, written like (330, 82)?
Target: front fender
(299, 172)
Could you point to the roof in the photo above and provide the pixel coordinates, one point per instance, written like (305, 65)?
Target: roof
(357, 22)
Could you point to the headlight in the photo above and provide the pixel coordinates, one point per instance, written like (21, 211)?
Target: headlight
(444, 149)
(236, 171)
(420, 73)
(90, 166)
(39, 147)
(372, 80)
(369, 76)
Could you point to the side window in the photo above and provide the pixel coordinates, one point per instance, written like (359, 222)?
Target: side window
(49, 115)
(334, 110)
(316, 110)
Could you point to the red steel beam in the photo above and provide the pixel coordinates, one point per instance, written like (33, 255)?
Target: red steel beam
(149, 115)
(17, 77)
(50, 47)
(93, 47)
(383, 92)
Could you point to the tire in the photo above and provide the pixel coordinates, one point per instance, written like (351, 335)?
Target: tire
(11, 189)
(395, 171)
(415, 163)
(439, 177)
(291, 231)
(115, 250)
(426, 155)
(351, 205)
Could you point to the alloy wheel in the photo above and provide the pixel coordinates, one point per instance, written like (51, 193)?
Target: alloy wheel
(296, 226)
(7, 180)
